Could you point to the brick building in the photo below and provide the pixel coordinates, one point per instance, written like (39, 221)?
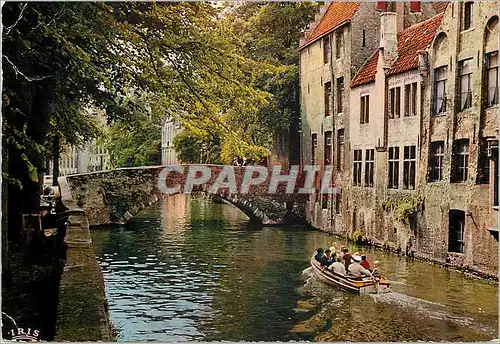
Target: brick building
(335, 47)
(415, 140)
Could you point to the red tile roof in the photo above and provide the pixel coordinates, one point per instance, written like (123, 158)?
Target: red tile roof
(367, 72)
(410, 42)
(440, 6)
(337, 14)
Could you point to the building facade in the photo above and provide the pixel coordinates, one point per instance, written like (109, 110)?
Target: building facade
(89, 158)
(459, 167)
(420, 135)
(336, 46)
(68, 161)
(169, 130)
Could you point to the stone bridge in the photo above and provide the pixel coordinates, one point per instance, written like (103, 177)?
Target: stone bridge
(115, 196)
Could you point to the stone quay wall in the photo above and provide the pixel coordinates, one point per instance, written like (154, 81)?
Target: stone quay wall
(82, 313)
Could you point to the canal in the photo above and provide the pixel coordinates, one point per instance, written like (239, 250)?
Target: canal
(189, 269)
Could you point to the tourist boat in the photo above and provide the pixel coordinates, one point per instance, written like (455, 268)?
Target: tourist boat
(367, 285)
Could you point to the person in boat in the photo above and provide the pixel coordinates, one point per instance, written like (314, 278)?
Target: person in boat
(337, 267)
(330, 259)
(346, 257)
(320, 256)
(356, 270)
(333, 248)
(364, 263)
(341, 254)
(376, 269)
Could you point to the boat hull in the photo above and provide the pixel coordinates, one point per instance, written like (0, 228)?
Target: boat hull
(367, 285)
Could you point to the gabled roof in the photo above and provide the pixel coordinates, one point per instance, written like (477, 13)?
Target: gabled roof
(410, 41)
(337, 14)
(367, 72)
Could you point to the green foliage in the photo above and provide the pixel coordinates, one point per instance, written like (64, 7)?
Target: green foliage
(235, 80)
(404, 207)
(271, 31)
(134, 146)
(387, 205)
(357, 236)
(195, 147)
(268, 33)
(55, 63)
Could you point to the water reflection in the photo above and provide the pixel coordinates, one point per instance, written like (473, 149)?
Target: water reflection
(194, 270)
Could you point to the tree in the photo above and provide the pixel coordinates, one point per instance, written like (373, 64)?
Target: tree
(200, 75)
(61, 57)
(180, 58)
(269, 33)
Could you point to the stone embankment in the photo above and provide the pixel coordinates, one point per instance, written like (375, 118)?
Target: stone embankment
(412, 254)
(82, 313)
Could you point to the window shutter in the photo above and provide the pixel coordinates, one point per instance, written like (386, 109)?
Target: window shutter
(382, 6)
(415, 6)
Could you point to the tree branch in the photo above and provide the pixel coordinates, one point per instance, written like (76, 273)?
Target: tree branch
(7, 30)
(29, 79)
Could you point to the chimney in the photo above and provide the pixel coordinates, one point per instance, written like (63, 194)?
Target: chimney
(400, 11)
(388, 37)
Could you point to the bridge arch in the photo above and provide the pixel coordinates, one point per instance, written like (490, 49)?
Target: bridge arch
(115, 196)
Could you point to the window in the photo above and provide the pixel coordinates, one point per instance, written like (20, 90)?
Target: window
(324, 201)
(364, 109)
(409, 167)
(369, 166)
(465, 84)
(326, 49)
(314, 147)
(339, 38)
(338, 203)
(492, 77)
(340, 94)
(328, 148)
(440, 76)
(328, 98)
(393, 168)
(460, 160)
(411, 99)
(358, 161)
(467, 15)
(364, 38)
(340, 149)
(436, 161)
(394, 102)
(483, 170)
(495, 183)
(456, 228)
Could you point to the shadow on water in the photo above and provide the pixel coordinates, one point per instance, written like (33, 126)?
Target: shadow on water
(193, 270)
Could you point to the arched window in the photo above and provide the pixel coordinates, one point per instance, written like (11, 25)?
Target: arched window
(491, 61)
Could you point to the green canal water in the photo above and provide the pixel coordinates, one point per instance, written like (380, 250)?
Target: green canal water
(191, 270)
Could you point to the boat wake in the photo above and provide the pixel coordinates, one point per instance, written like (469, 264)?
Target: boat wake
(429, 309)
(327, 297)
